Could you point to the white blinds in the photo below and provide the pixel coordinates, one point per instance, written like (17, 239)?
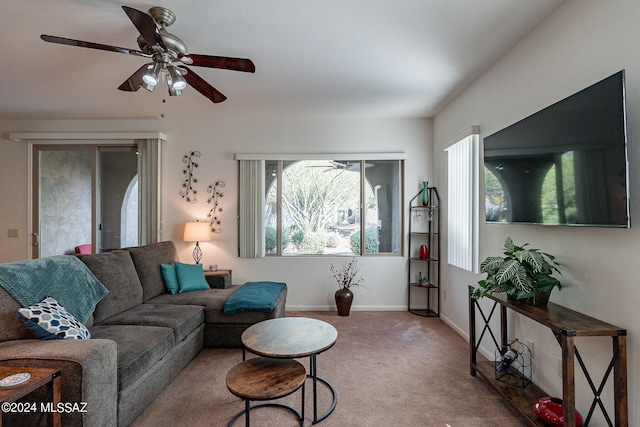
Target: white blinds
(462, 207)
(251, 208)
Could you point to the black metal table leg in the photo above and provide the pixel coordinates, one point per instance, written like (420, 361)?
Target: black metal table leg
(313, 368)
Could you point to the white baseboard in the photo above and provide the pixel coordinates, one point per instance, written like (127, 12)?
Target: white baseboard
(333, 308)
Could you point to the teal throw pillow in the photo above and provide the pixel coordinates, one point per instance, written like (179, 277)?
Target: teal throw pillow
(170, 278)
(190, 277)
(48, 320)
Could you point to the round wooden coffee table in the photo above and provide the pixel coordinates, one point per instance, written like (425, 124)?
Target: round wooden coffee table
(263, 378)
(295, 337)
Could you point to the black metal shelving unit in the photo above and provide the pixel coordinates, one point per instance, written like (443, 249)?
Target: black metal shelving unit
(424, 229)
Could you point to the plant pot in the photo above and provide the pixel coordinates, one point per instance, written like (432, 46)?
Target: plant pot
(344, 298)
(538, 300)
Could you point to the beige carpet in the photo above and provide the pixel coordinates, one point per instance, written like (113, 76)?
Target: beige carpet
(389, 369)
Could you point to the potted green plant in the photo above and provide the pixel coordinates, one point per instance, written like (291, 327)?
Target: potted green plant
(346, 277)
(524, 274)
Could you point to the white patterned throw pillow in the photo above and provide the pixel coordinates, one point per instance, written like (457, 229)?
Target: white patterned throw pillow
(49, 320)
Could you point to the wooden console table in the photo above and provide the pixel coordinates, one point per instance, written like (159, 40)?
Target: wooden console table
(566, 324)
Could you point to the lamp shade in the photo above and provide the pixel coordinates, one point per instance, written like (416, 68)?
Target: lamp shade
(196, 232)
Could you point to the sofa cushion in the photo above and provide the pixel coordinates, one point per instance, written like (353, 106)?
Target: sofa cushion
(139, 348)
(147, 260)
(117, 273)
(48, 320)
(213, 301)
(183, 319)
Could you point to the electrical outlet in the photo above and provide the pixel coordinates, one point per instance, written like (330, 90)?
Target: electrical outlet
(560, 368)
(529, 344)
(444, 294)
(13, 232)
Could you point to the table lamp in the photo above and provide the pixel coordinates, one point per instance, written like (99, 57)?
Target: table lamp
(196, 232)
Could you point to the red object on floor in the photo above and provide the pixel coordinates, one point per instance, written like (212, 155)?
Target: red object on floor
(549, 410)
(424, 252)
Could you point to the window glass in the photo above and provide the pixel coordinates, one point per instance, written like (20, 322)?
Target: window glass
(383, 206)
(318, 207)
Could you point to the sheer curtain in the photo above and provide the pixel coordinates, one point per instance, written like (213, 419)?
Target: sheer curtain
(149, 161)
(251, 209)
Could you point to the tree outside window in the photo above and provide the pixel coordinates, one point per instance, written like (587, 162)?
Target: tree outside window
(315, 207)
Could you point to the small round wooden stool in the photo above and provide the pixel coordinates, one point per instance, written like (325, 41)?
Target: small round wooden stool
(263, 378)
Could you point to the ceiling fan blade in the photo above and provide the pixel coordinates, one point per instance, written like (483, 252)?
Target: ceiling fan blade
(199, 84)
(134, 82)
(146, 27)
(226, 63)
(91, 45)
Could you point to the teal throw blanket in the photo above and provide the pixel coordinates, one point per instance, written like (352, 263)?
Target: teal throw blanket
(63, 277)
(254, 296)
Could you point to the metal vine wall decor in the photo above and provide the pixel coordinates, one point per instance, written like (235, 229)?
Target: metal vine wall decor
(216, 195)
(188, 192)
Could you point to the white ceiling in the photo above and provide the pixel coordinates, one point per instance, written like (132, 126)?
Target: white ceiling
(347, 58)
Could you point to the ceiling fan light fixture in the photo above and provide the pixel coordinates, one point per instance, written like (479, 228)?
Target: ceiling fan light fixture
(152, 76)
(172, 91)
(177, 82)
(147, 86)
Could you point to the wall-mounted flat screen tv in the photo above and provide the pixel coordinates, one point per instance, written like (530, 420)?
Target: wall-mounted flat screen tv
(564, 165)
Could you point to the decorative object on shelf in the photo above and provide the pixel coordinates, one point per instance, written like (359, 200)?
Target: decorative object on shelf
(424, 252)
(216, 195)
(346, 277)
(550, 411)
(196, 232)
(15, 379)
(524, 274)
(420, 278)
(513, 364)
(188, 192)
(425, 193)
(506, 359)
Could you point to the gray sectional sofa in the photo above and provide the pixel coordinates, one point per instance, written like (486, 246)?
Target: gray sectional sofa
(141, 336)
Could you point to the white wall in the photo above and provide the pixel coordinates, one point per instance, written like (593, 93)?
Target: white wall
(581, 43)
(310, 284)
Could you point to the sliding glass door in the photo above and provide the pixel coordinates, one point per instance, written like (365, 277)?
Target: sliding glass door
(84, 196)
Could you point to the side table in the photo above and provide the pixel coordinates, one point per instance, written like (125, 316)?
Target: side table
(40, 377)
(261, 378)
(218, 279)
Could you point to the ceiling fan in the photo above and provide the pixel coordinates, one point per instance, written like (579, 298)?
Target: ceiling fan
(168, 54)
(342, 165)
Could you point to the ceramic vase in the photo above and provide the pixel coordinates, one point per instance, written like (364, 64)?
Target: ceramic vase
(549, 410)
(425, 193)
(424, 252)
(344, 298)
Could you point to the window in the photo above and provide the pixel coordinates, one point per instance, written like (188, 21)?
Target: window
(321, 207)
(462, 207)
